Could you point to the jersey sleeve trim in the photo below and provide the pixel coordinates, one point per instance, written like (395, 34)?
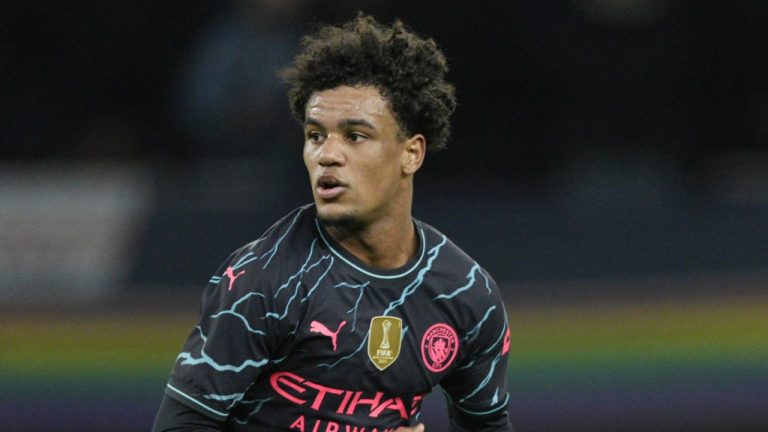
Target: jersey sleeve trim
(177, 392)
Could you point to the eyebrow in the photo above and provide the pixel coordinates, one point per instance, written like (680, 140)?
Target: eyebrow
(355, 122)
(346, 123)
(309, 121)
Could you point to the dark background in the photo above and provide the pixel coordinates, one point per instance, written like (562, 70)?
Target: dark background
(596, 144)
(634, 130)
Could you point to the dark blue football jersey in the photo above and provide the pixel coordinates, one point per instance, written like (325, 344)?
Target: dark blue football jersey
(296, 334)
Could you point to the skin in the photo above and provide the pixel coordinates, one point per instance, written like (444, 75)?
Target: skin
(353, 141)
(361, 167)
(418, 428)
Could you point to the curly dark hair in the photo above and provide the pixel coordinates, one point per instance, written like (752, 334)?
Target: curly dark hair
(407, 69)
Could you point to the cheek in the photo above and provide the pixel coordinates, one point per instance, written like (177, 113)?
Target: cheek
(383, 174)
(307, 155)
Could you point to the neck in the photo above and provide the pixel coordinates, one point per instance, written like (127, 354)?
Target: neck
(387, 243)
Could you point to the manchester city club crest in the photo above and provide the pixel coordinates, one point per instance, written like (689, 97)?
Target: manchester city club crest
(439, 347)
(384, 337)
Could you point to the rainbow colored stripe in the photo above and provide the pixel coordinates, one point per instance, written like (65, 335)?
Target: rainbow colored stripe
(657, 365)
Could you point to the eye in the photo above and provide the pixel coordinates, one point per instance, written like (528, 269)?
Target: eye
(314, 136)
(356, 137)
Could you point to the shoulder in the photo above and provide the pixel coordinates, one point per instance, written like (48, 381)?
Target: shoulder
(462, 286)
(292, 230)
(451, 262)
(279, 248)
(250, 281)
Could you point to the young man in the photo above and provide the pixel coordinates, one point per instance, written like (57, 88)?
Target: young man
(348, 311)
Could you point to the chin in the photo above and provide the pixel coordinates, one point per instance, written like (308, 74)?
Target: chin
(337, 217)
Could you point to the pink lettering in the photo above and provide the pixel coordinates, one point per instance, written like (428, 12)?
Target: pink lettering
(298, 424)
(416, 404)
(319, 425)
(300, 391)
(347, 395)
(322, 390)
(358, 401)
(279, 378)
(395, 404)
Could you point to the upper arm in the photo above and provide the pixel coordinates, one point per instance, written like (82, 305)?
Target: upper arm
(477, 388)
(212, 374)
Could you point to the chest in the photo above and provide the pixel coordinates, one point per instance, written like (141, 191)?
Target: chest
(363, 336)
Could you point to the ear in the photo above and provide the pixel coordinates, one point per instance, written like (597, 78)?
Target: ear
(413, 154)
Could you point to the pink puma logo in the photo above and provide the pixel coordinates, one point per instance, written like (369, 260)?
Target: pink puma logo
(318, 327)
(232, 276)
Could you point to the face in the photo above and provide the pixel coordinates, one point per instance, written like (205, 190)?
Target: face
(360, 166)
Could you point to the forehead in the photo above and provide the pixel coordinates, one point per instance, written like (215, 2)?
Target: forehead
(345, 102)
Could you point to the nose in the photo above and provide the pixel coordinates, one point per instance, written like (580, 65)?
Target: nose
(331, 152)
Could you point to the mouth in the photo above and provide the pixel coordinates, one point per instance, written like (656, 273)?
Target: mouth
(329, 187)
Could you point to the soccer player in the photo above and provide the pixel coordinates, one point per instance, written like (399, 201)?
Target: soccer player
(348, 311)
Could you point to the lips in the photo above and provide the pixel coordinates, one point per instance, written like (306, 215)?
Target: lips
(329, 187)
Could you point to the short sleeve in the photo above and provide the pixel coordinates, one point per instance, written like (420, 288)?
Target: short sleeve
(477, 388)
(233, 342)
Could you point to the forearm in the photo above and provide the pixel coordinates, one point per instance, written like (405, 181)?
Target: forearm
(175, 417)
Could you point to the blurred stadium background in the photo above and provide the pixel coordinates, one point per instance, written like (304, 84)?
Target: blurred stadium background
(609, 166)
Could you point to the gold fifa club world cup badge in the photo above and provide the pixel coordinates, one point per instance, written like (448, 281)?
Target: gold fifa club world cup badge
(384, 337)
